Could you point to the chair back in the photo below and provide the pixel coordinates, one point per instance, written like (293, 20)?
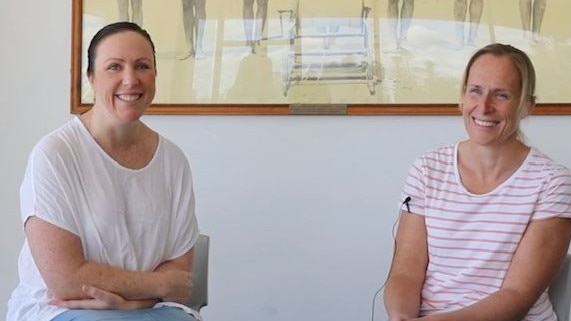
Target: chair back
(560, 291)
(199, 297)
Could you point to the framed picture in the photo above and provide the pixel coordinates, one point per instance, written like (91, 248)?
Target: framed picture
(354, 57)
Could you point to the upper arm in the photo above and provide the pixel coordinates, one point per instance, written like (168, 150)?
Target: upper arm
(404, 284)
(538, 257)
(545, 242)
(411, 249)
(57, 253)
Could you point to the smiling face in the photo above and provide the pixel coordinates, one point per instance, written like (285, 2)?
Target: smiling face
(123, 77)
(491, 100)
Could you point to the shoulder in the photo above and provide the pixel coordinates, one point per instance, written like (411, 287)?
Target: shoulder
(172, 154)
(170, 148)
(440, 157)
(61, 141)
(543, 167)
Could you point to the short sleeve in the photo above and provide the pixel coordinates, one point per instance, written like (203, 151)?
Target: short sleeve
(184, 226)
(414, 188)
(45, 189)
(555, 194)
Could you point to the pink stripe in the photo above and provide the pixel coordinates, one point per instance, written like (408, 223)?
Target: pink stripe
(474, 259)
(471, 249)
(445, 219)
(440, 228)
(471, 240)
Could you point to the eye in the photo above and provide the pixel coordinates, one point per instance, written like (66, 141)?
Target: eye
(114, 66)
(142, 66)
(475, 90)
(503, 95)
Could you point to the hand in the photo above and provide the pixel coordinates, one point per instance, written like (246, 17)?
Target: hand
(399, 318)
(403, 317)
(178, 286)
(102, 300)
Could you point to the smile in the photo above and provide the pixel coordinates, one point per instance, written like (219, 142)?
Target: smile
(129, 98)
(485, 123)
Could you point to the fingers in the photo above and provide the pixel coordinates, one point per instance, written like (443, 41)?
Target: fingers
(98, 299)
(77, 304)
(100, 294)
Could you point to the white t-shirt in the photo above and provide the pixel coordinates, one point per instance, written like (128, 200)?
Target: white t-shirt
(472, 238)
(130, 219)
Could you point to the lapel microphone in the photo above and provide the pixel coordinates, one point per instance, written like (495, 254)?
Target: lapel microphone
(405, 203)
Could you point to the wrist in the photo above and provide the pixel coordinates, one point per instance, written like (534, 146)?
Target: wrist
(161, 284)
(140, 304)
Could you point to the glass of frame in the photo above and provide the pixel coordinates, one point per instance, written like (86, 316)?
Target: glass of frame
(355, 57)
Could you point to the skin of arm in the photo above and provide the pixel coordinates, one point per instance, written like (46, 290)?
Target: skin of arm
(544, 241)
(59, 257)
(408, 268)
(101, 299)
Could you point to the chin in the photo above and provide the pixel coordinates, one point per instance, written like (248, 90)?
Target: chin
(130, 114)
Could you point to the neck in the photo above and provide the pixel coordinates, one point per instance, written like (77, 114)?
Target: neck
(110, 133)
(131, 144)
(482, 168)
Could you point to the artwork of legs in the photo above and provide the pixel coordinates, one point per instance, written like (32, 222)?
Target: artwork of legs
(194, 21)
(254, 22)
(130, 10)
(474, 9)
(532, 12)
(400, 21)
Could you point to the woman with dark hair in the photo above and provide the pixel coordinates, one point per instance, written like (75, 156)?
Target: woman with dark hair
(479, 215)
(107, 203)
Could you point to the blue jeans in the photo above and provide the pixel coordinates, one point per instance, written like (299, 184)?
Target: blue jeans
(158, 314)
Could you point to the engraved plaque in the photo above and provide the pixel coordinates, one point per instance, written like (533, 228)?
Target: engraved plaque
(318, 109)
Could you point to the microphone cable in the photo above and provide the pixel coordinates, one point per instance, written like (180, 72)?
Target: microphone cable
(395, 224)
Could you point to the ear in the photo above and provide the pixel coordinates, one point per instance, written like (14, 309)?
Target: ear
(529, 108)
(90, 79)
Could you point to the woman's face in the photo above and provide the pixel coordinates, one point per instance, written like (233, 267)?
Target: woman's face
(491, 100)
(123, 78)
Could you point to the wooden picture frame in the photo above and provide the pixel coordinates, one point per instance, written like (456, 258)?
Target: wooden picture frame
(305, 60)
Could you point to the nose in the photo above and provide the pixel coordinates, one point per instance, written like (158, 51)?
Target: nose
(130, 77)
(487, 102)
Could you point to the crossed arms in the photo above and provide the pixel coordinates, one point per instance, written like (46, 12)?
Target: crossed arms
(74, 282)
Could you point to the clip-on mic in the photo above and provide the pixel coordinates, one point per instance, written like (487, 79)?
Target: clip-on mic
(405, 202)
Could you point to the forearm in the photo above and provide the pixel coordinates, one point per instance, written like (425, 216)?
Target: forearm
(170, 281)
(402, 298)
(182, 264)
(504, 305)
(131, 285)
(58, 255)
(100, 299)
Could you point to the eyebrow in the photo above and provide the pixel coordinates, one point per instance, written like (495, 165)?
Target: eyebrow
(122, 60)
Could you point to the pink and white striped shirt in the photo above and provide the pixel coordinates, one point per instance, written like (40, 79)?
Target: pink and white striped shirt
(473, 237)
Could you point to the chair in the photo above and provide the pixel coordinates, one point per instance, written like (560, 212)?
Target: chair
(328, 44)
(560, 291)
(199, 296)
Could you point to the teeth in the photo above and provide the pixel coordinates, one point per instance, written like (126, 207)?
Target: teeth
(128, 97)
(484, 123)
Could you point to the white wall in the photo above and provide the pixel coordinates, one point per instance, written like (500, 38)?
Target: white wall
(300, 209)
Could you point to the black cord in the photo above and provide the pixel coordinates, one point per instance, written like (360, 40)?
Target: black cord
(404, 203)
(374, 300)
